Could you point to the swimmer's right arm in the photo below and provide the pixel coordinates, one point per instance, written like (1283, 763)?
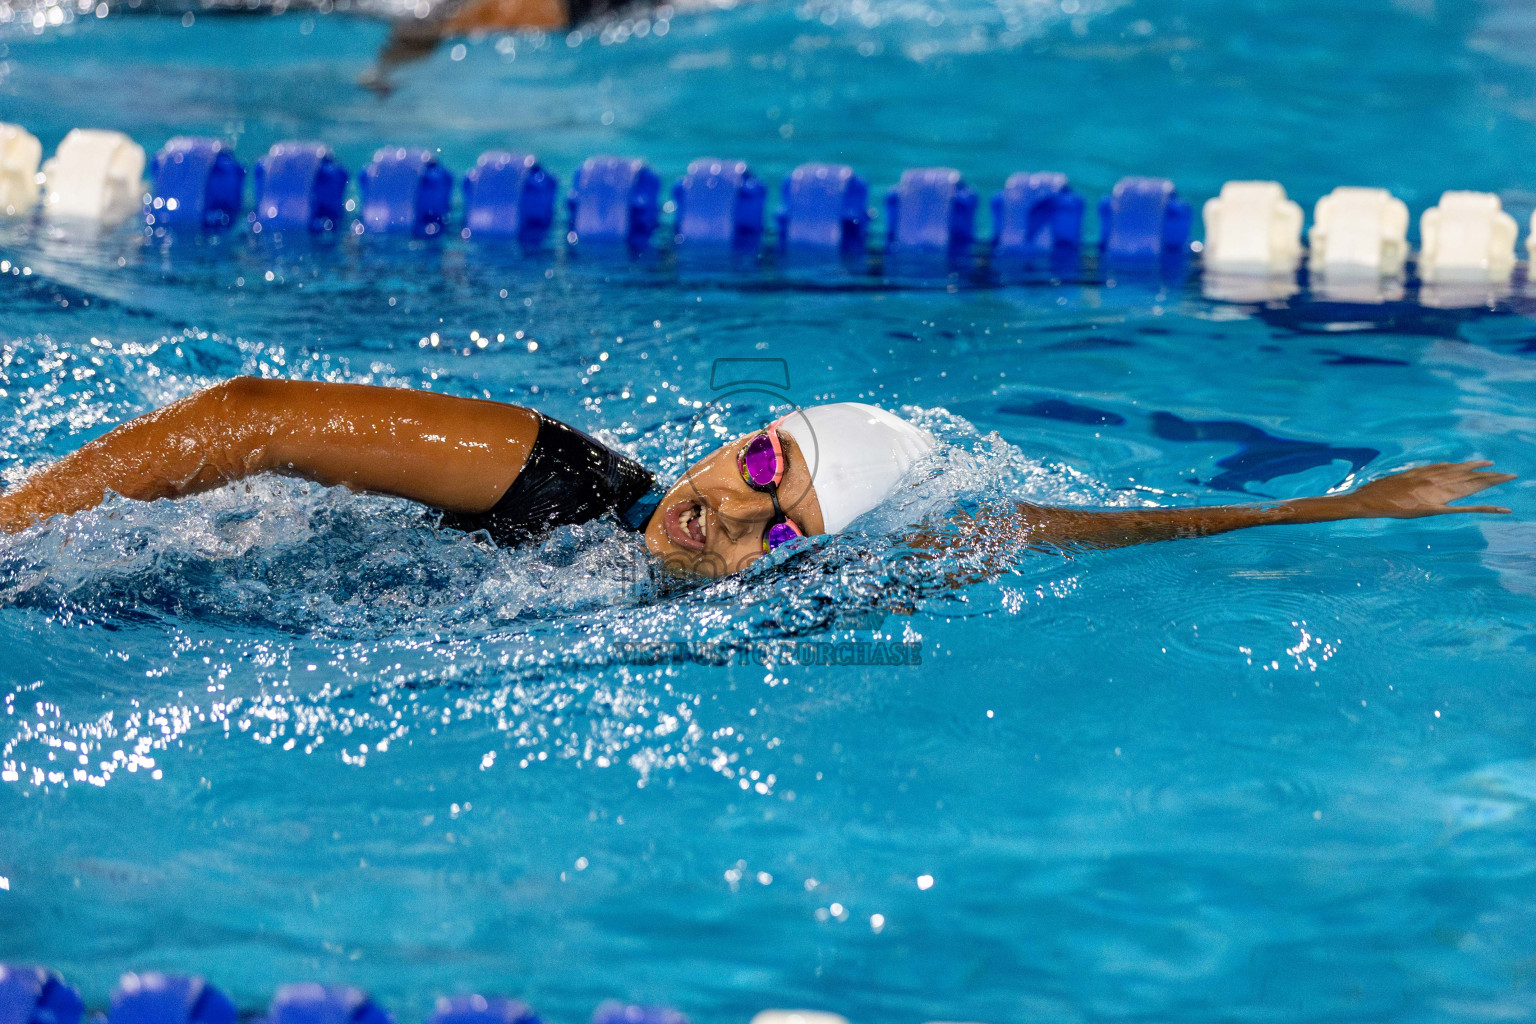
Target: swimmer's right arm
(457, 454)
(1412, 494)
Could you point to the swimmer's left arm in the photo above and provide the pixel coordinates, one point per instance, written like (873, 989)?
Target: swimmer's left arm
(453, 453)
(1412, 494)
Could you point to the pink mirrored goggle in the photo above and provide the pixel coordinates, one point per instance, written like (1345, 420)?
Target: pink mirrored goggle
(762, 463)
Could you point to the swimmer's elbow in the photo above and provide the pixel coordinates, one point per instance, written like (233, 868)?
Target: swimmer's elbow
(237, 421)
(229, 400)
(246, 401)
(242, 393)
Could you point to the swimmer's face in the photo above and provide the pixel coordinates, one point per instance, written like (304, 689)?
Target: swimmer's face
(711, 523)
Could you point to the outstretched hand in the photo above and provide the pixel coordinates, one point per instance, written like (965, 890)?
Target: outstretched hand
(1425, 491)
(1412, 494)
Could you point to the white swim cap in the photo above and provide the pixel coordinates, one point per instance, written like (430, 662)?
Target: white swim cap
(857, 454)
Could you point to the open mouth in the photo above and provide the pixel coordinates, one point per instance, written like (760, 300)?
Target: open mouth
(686, 525)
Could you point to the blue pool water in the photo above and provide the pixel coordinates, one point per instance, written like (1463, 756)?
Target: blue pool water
(279, 732)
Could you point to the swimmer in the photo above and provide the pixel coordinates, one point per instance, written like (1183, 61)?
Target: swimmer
(516, 474)
(414, 38)
(417, 29)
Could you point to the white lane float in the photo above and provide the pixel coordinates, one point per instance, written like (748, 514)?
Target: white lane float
(19, 155)
(1359, 232)
(798, 1017)
(95, 176)
(1252, 228)
(1467, 238)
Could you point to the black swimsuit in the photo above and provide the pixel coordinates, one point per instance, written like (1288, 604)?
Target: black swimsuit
(568, 478)
(578, 12)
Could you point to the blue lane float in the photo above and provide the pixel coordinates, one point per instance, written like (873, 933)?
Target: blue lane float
(932, 208)
(404, 191)
(31, 995)
(720, 202)
(153, 998)
(300, 186)
(509, 195)
(1036, 215)
(198, 185)
(480, 1010)
(312, 1003)
(822, 207)
(614, 199)
(1142, 219)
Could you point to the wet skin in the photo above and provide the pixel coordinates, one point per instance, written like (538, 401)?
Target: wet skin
(711, 523)
(456, 454)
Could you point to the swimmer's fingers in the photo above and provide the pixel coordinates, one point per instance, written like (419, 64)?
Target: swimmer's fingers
(1429, 491)
(1462, 480)
(1464, 485)
(1477, 471)
(1455, 470)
